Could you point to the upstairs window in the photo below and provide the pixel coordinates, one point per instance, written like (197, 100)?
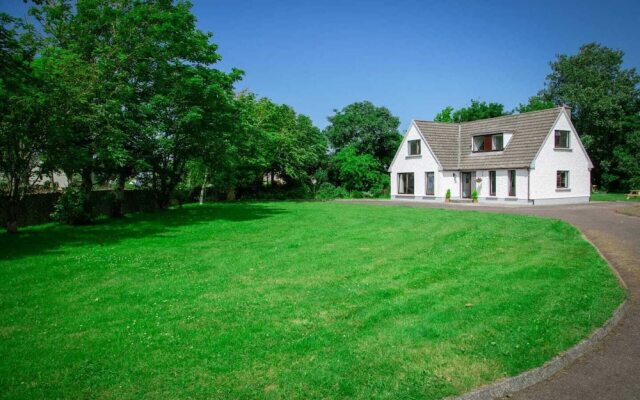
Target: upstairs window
(496, 142)
(414, 147)
(493, 142)
(562, 179)
(562, 140)
(405, 183)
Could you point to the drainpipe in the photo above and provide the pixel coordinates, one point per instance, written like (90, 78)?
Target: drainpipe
(528, 184)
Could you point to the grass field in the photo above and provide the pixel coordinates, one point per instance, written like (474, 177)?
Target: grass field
(292, 300)
(602, 196)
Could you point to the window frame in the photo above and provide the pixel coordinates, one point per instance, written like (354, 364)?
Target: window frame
(407, 186)
(493, 180)
(556, 139)
(480, 146)
(513, 190)
(493, 142)
(559, 181)
(409, 143)
(426, 183)
(476, 148)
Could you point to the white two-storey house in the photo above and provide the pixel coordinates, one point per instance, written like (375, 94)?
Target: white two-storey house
(530, 158)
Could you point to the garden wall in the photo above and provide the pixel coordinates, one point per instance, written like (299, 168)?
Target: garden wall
(37, 207)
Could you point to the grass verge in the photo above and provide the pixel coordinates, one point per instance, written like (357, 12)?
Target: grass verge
(292, 300)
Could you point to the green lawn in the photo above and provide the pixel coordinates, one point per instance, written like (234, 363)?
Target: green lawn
(602, 196)
(292, 300)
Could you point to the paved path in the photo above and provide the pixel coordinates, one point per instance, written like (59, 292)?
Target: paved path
(612, 370)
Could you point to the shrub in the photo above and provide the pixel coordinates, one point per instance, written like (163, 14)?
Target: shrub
(341, 193)
(327, 191)
(71, 208)
(474, 195)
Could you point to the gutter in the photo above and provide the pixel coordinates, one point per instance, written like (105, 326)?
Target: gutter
(529, 185)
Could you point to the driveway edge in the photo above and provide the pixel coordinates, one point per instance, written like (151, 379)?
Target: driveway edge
(528, 378)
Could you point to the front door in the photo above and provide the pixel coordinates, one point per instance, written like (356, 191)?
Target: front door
(466, 185)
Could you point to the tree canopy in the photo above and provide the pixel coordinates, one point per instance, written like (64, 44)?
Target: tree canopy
(605, 102)
(370, 129)
(477, 110)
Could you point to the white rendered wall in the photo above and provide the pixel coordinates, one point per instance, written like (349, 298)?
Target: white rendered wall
(551, 160)
(502, 184)
(419, 165)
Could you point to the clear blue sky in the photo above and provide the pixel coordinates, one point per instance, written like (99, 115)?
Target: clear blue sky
(414, 57)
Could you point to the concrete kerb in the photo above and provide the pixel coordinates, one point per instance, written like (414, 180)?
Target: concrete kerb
(516, 383)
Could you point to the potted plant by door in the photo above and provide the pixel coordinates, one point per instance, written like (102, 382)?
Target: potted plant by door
(447, 196)
(474, 196)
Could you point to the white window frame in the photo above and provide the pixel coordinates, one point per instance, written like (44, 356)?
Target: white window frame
(493, 183)
(426, 183)
(559, 132)
(406, 187)
(409, 142)
(566, 179)
(512, 182)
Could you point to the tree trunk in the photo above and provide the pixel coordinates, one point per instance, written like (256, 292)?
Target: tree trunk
(163, 195)
(231, 194)
(204, 185)
(87, 187)
(13, 203)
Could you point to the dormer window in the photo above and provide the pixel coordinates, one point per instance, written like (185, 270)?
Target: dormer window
(493, 142)
(562, 140)
(414, 147)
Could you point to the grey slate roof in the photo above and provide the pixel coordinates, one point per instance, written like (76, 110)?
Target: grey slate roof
(451, 143)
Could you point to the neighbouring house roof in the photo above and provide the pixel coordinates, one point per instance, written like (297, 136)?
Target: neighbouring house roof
(451, 143)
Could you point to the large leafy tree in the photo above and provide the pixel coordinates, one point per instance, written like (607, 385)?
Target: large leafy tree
(535, 103)
(150, 99)
(294, 145)
(264, 139)
(604, 98)
(83, 55)
(370, 129)
(627, 154)
(24, 114)
(477, 110)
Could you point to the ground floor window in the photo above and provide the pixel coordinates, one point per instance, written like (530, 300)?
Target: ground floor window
(512, 182)
(405, 183)
(492, 183)
(562, 179)
(430, 183)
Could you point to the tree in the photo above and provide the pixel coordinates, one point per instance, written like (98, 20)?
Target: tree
(446, 115)
(357, 171)
(602, 95)
(24, 114)
(294, 145)
(146, 98)
(264, 139)
(627, 154)
(477, 110)
(370, 129)
(535, 103)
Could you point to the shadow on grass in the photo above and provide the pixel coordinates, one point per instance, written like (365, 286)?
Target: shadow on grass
(49, 238)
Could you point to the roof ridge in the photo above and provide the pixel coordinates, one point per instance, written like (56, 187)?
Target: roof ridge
(437, 122)
(556, 108)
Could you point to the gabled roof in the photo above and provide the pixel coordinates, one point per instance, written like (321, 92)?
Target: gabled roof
(451, 143)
